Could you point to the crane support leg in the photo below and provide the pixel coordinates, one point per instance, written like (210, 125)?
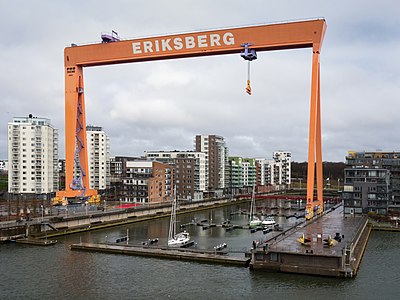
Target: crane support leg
(75, 136)
(318, 150)
(315, 143)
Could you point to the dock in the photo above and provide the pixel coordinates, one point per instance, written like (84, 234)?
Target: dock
(333, 246)
(197, 255)
(36, 242)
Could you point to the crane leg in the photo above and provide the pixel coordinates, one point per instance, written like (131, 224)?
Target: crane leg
(315, 144)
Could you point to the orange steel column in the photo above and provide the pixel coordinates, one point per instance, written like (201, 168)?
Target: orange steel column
(314, 143)
(318, 150)
(71, 104)
(75, 132)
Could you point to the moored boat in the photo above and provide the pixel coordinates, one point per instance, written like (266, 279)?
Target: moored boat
(268, 221)
(254, 221)
(175, 239)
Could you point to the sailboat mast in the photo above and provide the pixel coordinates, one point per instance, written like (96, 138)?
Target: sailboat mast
(172, 223)
(252, 205)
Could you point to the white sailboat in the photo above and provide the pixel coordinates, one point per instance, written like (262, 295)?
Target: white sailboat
(254, 221)
(176, 239)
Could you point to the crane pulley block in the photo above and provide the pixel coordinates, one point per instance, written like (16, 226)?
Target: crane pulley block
(248, 54)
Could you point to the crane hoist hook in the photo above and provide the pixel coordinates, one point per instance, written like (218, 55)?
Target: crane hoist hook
(249, 55)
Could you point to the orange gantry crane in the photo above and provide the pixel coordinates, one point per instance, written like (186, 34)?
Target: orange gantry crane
(280, 36)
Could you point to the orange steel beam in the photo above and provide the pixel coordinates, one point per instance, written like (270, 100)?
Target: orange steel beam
(318, 148)
(291, 35)
(315, 143)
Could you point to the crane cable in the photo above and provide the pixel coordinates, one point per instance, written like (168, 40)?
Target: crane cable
(248, 87)
(249, 55)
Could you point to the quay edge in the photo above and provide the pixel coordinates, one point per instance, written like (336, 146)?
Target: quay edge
(286, 254)
(165, 253)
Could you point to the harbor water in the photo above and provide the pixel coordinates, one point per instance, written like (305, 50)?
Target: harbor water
(56, 272)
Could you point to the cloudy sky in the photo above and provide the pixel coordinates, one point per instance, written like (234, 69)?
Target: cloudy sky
(163, 105)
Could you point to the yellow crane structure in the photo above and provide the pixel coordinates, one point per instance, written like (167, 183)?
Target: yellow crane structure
(112, 50)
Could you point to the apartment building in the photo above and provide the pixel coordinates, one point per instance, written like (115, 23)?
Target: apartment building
(235, 163)
(117, 174)
(282, 168)
(32, 156)
(242, 173)
(160, 184)
(98, 144)
(189, 171)
(135, 181)
(265, 171)
(366, 190)
(217, 164)
(146, 181)
(378, 160)
(249, 172)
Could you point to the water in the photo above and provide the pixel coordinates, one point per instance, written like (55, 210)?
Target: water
(56, 272)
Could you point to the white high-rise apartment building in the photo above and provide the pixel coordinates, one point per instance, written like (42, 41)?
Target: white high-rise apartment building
(216, 152)
(282, 172)
(98, 144)
(32, 156)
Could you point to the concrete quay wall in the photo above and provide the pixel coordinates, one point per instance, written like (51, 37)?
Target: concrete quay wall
(102, 219)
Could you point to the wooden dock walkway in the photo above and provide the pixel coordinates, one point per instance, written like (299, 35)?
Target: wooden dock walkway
(205, 256)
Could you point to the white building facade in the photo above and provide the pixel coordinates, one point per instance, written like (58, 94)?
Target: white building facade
(282, 172)
(32, 156)
(98, 144)
(266, 168)
(217, 160)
